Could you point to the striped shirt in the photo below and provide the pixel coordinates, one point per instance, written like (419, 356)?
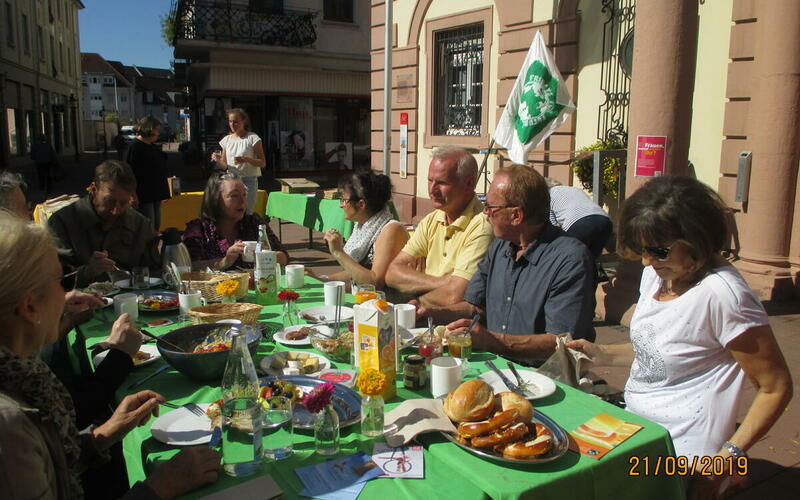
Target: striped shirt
(569, 204)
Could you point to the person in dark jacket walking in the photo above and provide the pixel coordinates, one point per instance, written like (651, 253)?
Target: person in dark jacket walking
(46, 161)
(149, 165)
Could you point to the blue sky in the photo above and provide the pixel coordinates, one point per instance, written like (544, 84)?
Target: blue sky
(127, 31)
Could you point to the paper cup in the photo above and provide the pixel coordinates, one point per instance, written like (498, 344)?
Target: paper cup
(249, 254)
(295, 275)
(406, 315)
(331, 289)
(445, 375)
(126, 303)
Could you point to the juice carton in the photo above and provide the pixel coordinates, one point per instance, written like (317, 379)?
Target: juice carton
(266, 282)
(375, 342)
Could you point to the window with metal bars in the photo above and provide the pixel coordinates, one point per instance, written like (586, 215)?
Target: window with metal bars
(458, 92)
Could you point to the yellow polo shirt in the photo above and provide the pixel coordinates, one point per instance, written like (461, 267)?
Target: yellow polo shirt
(456, 248)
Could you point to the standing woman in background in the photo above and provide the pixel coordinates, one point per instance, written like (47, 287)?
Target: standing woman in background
(149, 165)
(242, 153)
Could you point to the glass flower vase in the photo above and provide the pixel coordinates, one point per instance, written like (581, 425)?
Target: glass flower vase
(372, 416)
(326, 431)
(228, 299)
(290, 315)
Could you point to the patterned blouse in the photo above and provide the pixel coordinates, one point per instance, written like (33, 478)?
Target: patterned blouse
(205, 242)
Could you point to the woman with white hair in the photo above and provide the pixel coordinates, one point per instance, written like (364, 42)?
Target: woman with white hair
(42, 453)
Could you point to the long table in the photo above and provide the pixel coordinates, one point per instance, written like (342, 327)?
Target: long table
(450, 472)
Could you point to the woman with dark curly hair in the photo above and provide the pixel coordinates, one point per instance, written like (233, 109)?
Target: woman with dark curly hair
(698, 332)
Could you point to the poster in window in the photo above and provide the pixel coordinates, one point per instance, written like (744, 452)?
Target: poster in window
(216, 120)
(297, 139)
(339, 155)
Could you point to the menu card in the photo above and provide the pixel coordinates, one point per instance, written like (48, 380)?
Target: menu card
(404, 462)
(338, 478)
(601, 434)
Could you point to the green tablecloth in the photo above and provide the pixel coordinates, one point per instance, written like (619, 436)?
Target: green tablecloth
(450, 472)
(312, 212)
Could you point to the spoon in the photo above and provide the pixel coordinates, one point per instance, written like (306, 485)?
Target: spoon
(159, 339)
(522, 384)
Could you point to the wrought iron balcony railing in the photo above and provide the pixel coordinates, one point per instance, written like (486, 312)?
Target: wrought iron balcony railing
(227, 22)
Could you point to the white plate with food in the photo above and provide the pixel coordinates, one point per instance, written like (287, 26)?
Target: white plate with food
(294, 363)
(102, 288)
(299, 334)
(181, 427)
(126, 283)
(536, 385)
(147, 354)
(158, 301)
(326, 314)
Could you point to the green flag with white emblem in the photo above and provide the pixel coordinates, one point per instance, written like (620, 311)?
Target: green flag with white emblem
(537, 106)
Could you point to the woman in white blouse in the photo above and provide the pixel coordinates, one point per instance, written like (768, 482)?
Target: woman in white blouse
(243, 153)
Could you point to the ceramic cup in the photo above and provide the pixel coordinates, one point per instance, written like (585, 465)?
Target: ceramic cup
(331, 290)
(249, 254)
(406, 315)
(189, 300)
(295, 275)
(445, 375)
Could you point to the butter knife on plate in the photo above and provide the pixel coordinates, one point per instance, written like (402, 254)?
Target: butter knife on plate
(511, 385)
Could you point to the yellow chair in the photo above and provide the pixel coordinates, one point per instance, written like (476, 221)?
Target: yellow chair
(180, 209)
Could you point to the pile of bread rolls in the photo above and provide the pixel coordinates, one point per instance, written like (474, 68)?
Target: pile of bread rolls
(499, 422)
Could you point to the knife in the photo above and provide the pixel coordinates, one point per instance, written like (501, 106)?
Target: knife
(511, 385)
(142, 381)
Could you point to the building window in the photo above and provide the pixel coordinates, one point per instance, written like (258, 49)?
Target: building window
(123, 98)
(9, 25)
(40, 42)
(108, 80)
(338, 10)
(53, 51)
(61, 55)
(26, 35)
(458, 92)
(69, 60)
(13, 136)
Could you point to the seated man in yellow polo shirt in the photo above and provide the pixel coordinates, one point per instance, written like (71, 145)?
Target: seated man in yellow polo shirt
(442, 255)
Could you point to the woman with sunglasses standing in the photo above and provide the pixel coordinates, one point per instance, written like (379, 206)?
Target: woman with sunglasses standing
(698, 332)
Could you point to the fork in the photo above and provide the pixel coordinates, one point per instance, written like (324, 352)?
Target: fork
(522, 384)
(192, 407)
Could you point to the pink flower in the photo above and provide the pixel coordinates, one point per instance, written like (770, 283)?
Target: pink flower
(318, 398)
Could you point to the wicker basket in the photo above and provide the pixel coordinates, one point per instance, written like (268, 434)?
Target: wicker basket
(246, 313)
(207, 283)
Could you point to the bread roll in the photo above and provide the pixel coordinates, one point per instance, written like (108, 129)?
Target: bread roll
(470, 402)
(512, 401)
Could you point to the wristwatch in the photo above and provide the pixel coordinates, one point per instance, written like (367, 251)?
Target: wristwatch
(734, 450)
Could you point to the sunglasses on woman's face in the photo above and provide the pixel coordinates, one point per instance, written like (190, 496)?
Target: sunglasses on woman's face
(660, 253)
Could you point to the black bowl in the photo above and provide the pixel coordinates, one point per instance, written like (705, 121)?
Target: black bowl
(206, 366)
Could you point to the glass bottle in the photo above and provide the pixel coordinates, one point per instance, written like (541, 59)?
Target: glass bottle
(430, 346)
(241, 424)
(372, 415)
(326, 431)
(263, 239)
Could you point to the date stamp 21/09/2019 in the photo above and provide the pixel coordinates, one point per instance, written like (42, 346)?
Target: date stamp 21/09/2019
(683, 466)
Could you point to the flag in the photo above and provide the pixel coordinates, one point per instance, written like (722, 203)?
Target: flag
(537, 106)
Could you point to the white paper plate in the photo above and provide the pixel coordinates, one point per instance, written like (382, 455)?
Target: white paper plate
(324, 364)
(539, 386)
(328, 313)
(181, 427)
(126, 283)
(280, 335)
(150, 349)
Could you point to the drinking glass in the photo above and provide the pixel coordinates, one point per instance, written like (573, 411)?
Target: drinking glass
(140, 277)
(277, 430)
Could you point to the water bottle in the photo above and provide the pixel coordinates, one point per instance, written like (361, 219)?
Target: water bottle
(241, 413)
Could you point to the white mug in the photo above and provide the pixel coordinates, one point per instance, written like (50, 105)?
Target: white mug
(330, 289)
(406, 315)
(126, 303)
(249, 254)
(445, 375)
(295, 275)
(189, 300)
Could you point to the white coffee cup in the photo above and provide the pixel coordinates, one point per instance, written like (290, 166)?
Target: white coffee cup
(249, 254)
(295, 275)
(189, 300)
(406, 315)
(126, 303)
(445, 375)
(331, 289)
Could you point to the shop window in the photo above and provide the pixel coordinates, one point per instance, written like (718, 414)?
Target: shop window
(338, 10)
(29, 130)
(459, 81)
(13, 138)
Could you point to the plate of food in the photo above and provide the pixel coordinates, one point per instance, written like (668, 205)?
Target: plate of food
(158, 301)
(299, 334)
(102, 288)
(181, 427)
(326, 314)
(294, 363)
(502, 427)
(535, 385)
(126, 283)
(147, 354)
(345, 400)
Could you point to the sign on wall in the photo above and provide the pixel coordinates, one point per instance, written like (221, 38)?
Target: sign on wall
(651, 155)
(403, 145)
